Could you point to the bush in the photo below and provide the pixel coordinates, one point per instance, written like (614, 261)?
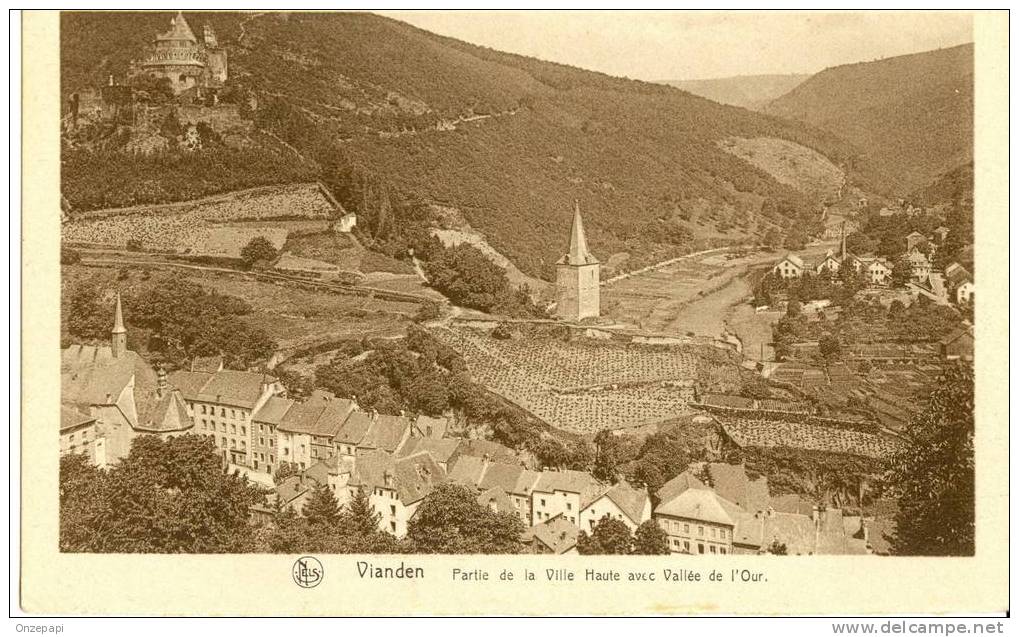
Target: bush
(258, 251)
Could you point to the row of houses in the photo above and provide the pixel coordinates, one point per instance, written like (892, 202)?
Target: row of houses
(735, 515)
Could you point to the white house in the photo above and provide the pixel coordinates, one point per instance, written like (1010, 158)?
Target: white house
(791, 267)
(621, 502)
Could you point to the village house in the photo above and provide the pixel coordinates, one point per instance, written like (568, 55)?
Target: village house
(960, 284)
(118, 390)
(878, 272)
(695, 518)
(264, 423)
(386, 433)
(306, 430)
(919, 264)
(79, 434)
(222, 405)
(565, 493)
(958, 345)
(443, 450)
(395, 487)
(620, 502)
(352, 433)
(557, 536)
(791, 267)
(915, 241)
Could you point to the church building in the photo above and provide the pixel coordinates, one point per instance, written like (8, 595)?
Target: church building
(578, 295)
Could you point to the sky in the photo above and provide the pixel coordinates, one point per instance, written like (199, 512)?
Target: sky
(653, 45)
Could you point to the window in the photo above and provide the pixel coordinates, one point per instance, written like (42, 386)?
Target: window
(543, 502)
(244, 430)
(700, 548)
(222, 427)
(392, 525)
(686, 546)
(233, 413)
(569, 507)
(233, 429)
(721, 550)
(712, 531)
(392, 509)
(686, 529)
(244, 445)
(203, 409)
(222, 412)
(223, 442)
(72, 437)
(700, 531)
(261, 442)
(712, 548)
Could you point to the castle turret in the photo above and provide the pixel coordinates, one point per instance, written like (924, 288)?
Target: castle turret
(578, 276)
(118, 335)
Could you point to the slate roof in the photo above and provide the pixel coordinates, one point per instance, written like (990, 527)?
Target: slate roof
(168, 413)
(526, 482)
(72, 416)
(699, 504)
(467, 470)
(386, 432)
(273, 410)
(497, 497)
(321, 415)
(678, 485)
(486, 448)
(90, 375)
(732, 483)
(210, 364)
(501, 475)
(226, 387)
(571, 481)
(630, 501)
(412, 477)
(354, 428)
(956, 275)
(441, 449)
(558, 534)
(436, 426)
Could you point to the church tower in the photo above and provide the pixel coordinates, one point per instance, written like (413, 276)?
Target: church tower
(578, 277)
(118, 340)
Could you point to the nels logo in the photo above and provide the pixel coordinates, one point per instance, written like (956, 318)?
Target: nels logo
(308, 572)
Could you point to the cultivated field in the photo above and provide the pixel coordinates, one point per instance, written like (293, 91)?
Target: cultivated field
(584, 387)
(213, 226)
(748, 432)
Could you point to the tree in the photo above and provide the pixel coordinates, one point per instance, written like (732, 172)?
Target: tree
(606, 456)
(258, 250)
(902, 272)
(283, 471)
(772, 239)
(608, 537)
(359, 523)
(830, 348)
(166, 496)
(321, 508)
(933, 476)
(776, 548)
(450, 520)
(650, 539)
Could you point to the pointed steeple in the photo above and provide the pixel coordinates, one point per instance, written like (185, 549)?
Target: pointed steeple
(578, 254)
(118, 340)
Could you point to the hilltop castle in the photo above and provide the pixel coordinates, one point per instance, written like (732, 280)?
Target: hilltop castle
(189, 64)
(578, 277)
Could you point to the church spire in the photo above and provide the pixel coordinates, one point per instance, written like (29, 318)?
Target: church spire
(578, 254)
(118, 342)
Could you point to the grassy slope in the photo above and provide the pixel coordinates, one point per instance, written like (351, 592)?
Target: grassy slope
(911, 116)
(635, 154)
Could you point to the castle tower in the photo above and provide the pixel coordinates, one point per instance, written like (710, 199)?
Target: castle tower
(578, 277)
(118, 338)
(177, 56)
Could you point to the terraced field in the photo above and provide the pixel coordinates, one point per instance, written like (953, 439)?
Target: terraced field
(747, 432)
(581, 387)
(213, 226)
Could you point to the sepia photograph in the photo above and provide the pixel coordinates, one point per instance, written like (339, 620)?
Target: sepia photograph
(556, 285)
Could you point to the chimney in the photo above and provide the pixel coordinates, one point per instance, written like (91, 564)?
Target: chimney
(387, 479)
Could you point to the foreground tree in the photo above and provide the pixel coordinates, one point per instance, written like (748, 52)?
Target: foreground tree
(321, 508)
(933, 476)
(608, 537)
(167, 496)
(650, 539)
(450, 520)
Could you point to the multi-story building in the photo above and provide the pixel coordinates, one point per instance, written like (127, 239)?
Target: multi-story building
(306, 430)
(695, 518)
(620, 502)
(222, 405)
(791, 267)
(264, 438)
(564, 493)
(395, 487)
